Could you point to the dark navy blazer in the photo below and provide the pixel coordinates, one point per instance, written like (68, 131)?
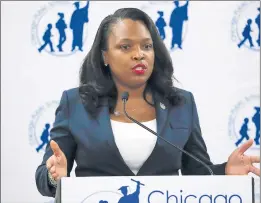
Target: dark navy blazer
(90, 142)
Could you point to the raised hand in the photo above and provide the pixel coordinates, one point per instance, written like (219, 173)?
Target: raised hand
(57, 163)
(241, 164)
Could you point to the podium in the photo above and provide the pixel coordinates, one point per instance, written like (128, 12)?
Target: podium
(156, 189)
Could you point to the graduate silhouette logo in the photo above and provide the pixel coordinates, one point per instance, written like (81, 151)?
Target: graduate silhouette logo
(40, 125)
(130, 198)
(124, 196)
(246, 26)
(170, 19)
(60, 28)
(244, 121)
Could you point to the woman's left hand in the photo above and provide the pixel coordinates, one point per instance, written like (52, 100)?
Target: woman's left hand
(240, 164)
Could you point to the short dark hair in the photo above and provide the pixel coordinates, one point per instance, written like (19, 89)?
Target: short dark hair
(95, 78)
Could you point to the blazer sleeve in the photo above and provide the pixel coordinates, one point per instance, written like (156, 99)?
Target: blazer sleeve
(60, 133)
(196, 146)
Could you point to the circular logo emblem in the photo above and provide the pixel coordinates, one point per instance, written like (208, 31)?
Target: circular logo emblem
(126, 195)
(60, 28)
(171, 19)
(103, 197)
(244, 121)
(41, 124)
(246, 26)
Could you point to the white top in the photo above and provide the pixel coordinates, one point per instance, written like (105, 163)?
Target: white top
(135, 143)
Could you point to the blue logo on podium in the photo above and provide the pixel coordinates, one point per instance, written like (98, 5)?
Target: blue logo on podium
(124, 197)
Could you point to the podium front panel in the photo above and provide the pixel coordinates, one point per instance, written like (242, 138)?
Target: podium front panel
(157, 189)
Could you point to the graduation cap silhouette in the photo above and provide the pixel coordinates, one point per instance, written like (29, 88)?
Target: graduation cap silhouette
(77, 3)
(160, 13)
(123, 189)
(61, 14)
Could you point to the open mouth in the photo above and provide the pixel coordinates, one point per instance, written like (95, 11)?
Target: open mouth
(139, 69)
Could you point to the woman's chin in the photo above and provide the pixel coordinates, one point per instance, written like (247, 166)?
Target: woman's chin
(138, 83)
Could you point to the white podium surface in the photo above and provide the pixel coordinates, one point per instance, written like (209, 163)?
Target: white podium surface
(157, 189)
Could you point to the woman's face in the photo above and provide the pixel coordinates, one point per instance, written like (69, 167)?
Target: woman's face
(130, 53)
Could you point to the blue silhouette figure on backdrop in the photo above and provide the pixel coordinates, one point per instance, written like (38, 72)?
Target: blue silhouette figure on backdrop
(177, 18)
(131, 198)
(244, 128)
(246, 34)
(160, 23)
(44, 137)
(102, 201)
(257, 21)
(78, 19)
(47, 38)
(61, 26)
(243, 132)
(256, 121)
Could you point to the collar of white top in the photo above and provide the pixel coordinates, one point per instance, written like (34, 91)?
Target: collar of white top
(151, 121)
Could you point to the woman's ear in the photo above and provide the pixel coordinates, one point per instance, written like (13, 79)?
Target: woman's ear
(105, 58)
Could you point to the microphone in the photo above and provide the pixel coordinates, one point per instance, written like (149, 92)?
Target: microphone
(125, 97)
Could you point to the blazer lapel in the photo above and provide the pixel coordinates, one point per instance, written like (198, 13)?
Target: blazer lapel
(162, 112)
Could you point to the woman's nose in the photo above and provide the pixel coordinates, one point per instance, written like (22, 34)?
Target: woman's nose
(138, 56)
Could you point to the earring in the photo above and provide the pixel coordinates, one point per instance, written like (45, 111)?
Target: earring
(106, 64)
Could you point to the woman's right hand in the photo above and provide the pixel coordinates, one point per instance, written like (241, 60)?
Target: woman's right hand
(57, 163)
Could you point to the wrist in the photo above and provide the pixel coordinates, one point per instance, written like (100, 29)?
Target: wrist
(227, 170)
(51, 180)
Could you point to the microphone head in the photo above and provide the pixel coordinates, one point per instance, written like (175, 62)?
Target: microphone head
(125, 96)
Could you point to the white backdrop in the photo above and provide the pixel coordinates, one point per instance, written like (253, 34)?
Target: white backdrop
(223, 77)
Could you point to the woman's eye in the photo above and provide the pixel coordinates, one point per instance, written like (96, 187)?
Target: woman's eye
(148, 46)
(125, 46)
